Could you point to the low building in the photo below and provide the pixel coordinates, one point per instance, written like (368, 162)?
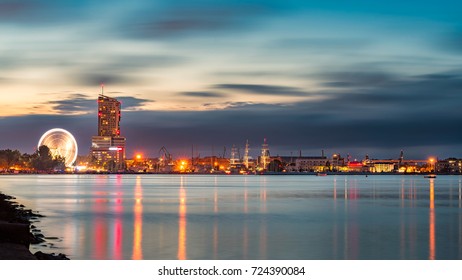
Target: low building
(449, 166)
(106, 149)
(356, 166)
(313, 164)
(383, 166)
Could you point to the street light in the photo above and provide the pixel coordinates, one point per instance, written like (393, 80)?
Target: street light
(432, 168)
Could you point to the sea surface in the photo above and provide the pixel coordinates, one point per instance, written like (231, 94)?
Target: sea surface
(208, 217)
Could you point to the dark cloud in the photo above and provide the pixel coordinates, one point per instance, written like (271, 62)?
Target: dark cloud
(182, 18)
(202, 94)
(439, 76)
(96, 78)
(142, 19)
(356, 79)
(264, 89)
(321, 44)
(75, 103)
(132, 103)
(81, 103)
(41, 12)
(136, 62)
(232, 104)
(12, 9)
(124, 69)
(246, 74)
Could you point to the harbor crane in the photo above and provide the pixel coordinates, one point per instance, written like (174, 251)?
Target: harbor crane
(165, 155)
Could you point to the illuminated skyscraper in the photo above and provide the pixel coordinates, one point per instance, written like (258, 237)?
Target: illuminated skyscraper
(108, 148)
(108, 116)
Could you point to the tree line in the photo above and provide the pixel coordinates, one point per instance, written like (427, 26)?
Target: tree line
(41, 160)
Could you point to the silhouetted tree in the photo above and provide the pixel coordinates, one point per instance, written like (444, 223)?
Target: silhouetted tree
(25, 161)
(42, 160)
(8, 158)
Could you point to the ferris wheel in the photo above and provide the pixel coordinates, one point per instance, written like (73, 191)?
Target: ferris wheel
(61, 143)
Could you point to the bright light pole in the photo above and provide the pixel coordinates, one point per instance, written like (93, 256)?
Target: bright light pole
(432, 167)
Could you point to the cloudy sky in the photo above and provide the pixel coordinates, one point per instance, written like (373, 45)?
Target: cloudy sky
(358, 77)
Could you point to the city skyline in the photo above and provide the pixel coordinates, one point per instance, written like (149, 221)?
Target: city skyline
(343, 76)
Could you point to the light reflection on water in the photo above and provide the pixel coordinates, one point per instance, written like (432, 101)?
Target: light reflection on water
(182, 222)
(138, 224)
(245, 217)
(431, 233)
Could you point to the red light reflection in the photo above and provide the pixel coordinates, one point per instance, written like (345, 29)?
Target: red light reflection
(432, 241)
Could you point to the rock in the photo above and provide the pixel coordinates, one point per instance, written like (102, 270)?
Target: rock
(17, 233)
(12, 251)
(43, 256)
(36, 240)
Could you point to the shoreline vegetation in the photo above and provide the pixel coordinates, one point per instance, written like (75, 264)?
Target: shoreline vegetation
(17, 232)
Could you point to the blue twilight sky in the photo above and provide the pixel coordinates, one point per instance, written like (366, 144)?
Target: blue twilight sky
(357, 77)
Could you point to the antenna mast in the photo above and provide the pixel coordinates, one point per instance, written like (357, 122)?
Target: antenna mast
(246, 155)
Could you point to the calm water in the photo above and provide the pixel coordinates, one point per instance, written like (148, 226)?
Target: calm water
(245, 217)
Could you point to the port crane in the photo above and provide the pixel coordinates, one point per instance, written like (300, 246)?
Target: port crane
(165, 156)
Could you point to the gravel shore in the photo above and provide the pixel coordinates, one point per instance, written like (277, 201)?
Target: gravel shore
(16, 235)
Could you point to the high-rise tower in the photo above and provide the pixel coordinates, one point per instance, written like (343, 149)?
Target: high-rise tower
(108, 116)
(108, 148)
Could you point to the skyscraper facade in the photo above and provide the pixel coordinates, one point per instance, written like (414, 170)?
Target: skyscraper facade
(108, 116)
(108, 147)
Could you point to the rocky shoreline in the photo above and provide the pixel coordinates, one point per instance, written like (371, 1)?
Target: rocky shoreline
(17, 232)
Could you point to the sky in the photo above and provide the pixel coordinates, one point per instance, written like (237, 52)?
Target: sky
(350, 77)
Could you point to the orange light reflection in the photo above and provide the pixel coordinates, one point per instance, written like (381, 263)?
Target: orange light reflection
(138, 225)
(182, 222)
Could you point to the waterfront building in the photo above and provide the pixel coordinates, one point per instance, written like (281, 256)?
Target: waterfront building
(293, 164)
(449, 166)
(383, 166)
(337, 162)
(108, 147)
(415, 166)
(311, 164)
(356, 166)
(211, 164)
